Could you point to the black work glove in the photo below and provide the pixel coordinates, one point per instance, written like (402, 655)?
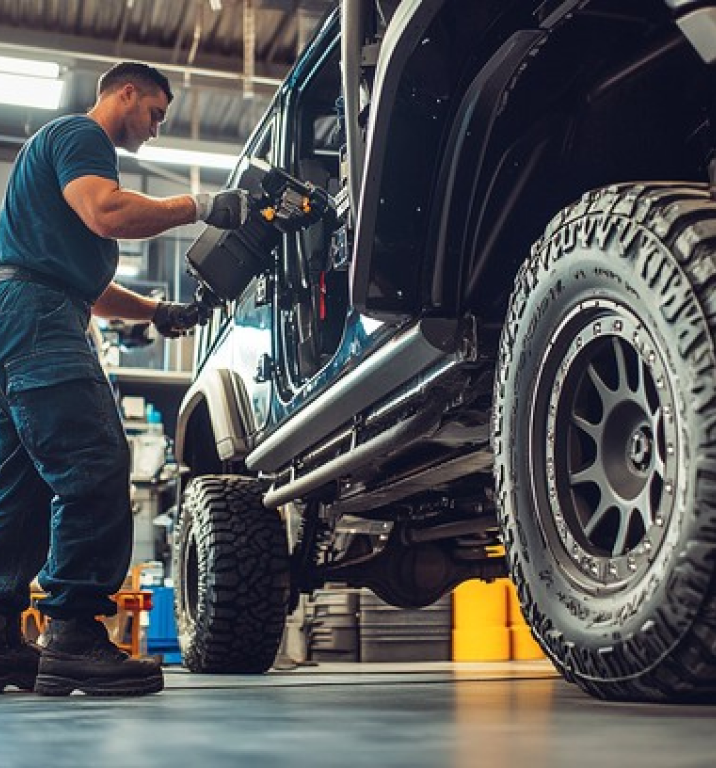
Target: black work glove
(173, 320)
(225, 210)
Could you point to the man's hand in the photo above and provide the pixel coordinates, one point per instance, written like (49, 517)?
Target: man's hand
(226, 210)
(173, 320)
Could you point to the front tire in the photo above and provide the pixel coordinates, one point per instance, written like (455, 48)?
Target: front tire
(231, 577)
(605, 442)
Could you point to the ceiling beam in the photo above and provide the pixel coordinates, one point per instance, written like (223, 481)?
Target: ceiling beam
(69, 48)
(249, 47)
(269, 52)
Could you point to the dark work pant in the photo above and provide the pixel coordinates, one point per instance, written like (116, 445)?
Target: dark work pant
(64, 461)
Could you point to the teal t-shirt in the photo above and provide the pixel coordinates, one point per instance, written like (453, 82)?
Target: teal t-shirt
(38, 229)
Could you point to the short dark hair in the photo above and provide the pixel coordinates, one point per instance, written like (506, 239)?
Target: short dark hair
(141, 75)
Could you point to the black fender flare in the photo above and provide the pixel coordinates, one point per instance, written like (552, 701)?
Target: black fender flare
(465, 160)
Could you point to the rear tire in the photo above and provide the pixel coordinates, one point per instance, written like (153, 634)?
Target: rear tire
(605, 442)
(231, 577)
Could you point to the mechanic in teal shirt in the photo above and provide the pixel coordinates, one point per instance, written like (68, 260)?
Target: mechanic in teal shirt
(64, 461)
(37, 231)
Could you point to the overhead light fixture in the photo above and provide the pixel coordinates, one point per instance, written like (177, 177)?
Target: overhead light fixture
(25, 91)
(186, 157)
(49, 69)
(30, 83)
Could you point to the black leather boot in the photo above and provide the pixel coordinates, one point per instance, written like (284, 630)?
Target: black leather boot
(18, 659)
(77, 655)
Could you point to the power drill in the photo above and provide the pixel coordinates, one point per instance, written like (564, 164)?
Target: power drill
(225, 262)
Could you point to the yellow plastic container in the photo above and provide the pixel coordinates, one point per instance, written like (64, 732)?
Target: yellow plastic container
(480, 631)
(487, 644)
(488, 624)
(523, 646)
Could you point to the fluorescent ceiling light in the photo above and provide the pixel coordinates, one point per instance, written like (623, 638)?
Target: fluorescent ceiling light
(30, 83)
(185, 157)
(25, 91)
(49, 69)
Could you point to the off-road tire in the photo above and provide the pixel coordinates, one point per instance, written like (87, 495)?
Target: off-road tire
(231, 575)
(605, 442)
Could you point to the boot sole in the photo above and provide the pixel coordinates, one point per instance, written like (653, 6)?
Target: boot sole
(23, 683)
(54, 685)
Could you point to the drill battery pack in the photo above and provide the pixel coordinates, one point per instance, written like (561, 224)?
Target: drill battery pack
(227, 260)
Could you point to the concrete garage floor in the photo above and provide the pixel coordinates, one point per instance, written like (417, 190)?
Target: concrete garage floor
(514, 715)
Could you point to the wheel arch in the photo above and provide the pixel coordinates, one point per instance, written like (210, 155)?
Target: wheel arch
(612, 108)
(528, 113)
(212, 426)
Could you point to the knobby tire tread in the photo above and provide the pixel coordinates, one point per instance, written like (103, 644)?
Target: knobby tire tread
(243, 584)
(683, 217)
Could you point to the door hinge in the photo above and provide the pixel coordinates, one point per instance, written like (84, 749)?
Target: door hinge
(264, 369)
(263, 285)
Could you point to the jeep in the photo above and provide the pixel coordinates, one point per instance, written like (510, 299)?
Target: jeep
(494, 357)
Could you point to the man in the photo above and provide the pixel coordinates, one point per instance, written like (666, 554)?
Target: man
(64, 460)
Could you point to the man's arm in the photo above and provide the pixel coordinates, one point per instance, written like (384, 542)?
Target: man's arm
(171, 319)
(113, 212)
(120, 302)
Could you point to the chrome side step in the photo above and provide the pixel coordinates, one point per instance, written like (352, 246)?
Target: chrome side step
(395, 363)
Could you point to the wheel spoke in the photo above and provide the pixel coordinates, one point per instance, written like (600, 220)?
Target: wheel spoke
(605, 394)
(640, 393)
(595, 520)
(623, 388)
(589, 474)
(588, 427)
(641, 380)
(661, 457)
(643, 507)
(621, 537)
(659, 466)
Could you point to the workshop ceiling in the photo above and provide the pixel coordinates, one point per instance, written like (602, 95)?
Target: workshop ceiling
(224, 58)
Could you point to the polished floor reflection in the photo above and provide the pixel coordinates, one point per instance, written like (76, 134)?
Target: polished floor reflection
(514, 715)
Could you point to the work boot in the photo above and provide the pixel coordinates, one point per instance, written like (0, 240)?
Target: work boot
(18, 659)
(77, 655)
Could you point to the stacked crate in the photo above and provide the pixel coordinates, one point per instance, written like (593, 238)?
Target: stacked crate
(395, 634)
(356, 625)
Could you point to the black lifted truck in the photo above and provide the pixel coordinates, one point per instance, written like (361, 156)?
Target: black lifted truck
(493, 355)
